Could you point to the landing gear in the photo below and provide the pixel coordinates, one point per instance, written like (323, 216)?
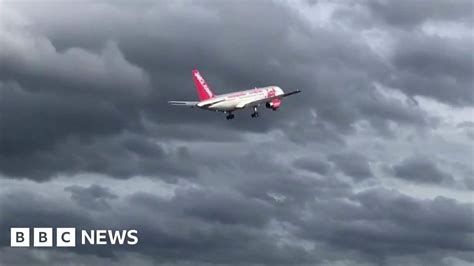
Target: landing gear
(255, 112)
(229, 116)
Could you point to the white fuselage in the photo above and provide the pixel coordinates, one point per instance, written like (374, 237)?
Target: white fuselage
(238, 100)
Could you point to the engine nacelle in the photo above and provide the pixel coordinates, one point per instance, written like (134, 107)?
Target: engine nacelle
(274, 104)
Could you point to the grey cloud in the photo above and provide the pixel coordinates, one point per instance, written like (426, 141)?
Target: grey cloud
(289, 193)
(435, 67)
(38, 66)
(469, 182)
(120, 156)
(421, 213)
(386, 221)
(381, 110)
(124, 83)
(465, 124)
(93, 197)
(201, 225)
(54, 257)
(432, 64)
(211, 206)
(188, 227)
(220, 207)
(468, 128)
(352, 164)
(311, 165)
(92, 80)
(34, 127)
(314, 130)
(168, 61)
(419, 169)
(22, 208)
(411, 13)
(74, 94)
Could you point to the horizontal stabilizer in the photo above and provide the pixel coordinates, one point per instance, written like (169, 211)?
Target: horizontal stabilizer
(183, 103)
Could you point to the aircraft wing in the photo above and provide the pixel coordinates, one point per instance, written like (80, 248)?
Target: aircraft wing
(288, 93)
(183, 103)
(245, 104)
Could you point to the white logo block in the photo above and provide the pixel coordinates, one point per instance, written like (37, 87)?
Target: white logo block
(19, 237)
(66, 237)
(43, 237)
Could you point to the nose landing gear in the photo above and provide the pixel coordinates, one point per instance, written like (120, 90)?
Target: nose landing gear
(229, 116)
(255, 112)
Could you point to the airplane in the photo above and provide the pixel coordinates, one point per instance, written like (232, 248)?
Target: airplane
(229, 103)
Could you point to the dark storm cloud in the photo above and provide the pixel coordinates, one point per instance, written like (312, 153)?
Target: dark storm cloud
(46, 119)
(213, 206)
(381, 109)
(317, 131)
(469, 182)
(468, 128)
(93, 197)
(195, 223)
(23, 208)
(419, 169)
(120, 156)
(311, 165)
(38, 66)
(292, 190)
(92, 80)
(384, 221)
(193, 132)
(102, 88)
(191, 226)
(423, 62)
(352, 164)
(408, 13)
(197, 234)
(220, 208)
(71, 96)
(435, 67)
(430, 65)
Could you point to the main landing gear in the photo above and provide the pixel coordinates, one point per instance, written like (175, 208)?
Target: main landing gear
(255, 112)
(229, 116)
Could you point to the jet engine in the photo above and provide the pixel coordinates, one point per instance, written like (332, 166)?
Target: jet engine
(273, 104)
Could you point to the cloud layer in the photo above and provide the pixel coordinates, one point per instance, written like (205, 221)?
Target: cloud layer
(370, 165)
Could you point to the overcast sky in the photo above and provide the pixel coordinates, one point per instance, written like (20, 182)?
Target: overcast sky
(372, 164)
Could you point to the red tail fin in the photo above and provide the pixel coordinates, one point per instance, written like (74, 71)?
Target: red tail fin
(203, 90)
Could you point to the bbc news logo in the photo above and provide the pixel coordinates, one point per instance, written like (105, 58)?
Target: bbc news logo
(66, 237)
